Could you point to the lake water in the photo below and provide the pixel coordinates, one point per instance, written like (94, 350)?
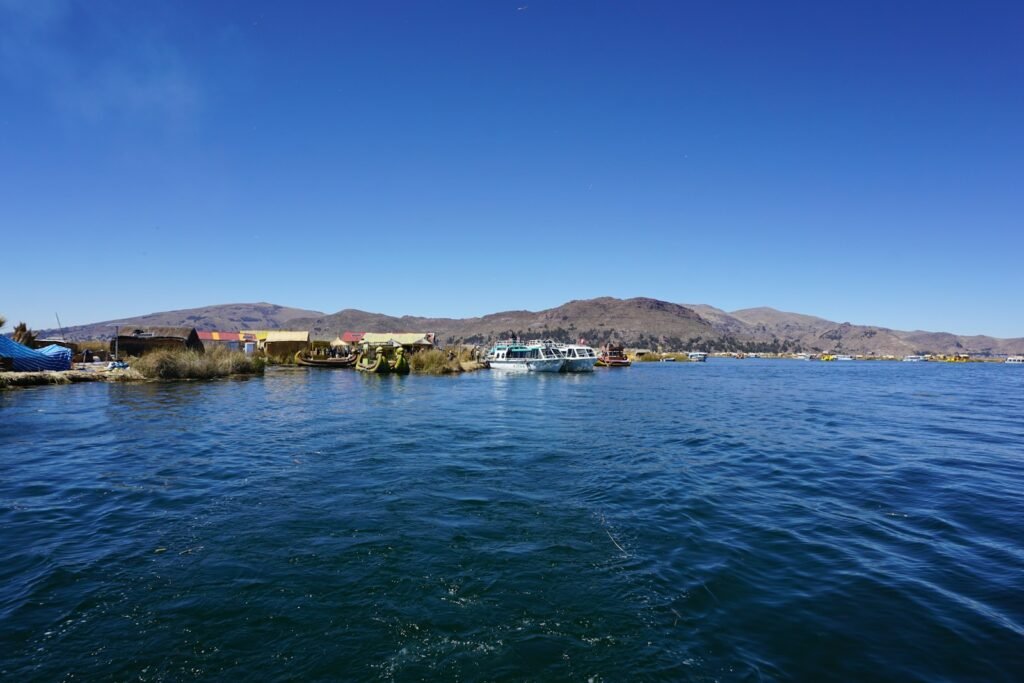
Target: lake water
(734, 520)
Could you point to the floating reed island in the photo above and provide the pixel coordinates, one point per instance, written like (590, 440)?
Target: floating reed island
(181, 353)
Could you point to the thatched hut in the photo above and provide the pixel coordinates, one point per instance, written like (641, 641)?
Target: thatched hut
(284, 343)
(136, 341)
(410, 341)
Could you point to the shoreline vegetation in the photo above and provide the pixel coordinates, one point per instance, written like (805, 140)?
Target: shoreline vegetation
(216, 363)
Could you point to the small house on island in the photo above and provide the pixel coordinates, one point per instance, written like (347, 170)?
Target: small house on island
(348, 339)
(136, 341)
(410, 341)
(234, 341)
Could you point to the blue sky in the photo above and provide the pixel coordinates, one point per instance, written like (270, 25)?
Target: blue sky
(859, 161)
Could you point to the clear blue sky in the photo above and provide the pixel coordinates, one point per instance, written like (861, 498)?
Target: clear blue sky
(861, 161)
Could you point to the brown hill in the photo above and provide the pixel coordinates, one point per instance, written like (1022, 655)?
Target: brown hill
(818, 334)
(639, 322)
(228, 317)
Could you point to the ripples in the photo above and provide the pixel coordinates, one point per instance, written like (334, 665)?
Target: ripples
(732, 520)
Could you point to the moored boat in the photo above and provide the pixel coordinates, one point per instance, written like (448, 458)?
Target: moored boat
(302, 358)
(400, 364)
(378, 364)
(913, 359)
(697, 356)
(613, 356)
(1015, 360)
(578, 357)
(514, 356)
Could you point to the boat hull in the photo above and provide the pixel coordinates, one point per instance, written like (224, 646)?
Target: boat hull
(526, 365)
(613, 362)
(378, 365)
(335, 363)
(579, 364)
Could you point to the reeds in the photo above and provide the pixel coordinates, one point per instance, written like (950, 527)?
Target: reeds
(433, 362)
(186, 364)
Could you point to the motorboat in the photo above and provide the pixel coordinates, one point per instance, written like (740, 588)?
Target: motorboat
(697, 357)
(515, 356)
(913, 359)
(578, 357)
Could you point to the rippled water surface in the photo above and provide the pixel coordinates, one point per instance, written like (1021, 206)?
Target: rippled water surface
(734, 520)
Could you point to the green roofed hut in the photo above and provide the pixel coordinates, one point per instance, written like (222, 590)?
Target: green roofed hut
(138, 341)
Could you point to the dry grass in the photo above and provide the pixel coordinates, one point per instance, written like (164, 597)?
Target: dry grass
(655, 357)
(433, 362)
(179, 364)
(32, 379)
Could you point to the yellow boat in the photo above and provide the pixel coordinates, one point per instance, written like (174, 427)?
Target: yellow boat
(377, 365)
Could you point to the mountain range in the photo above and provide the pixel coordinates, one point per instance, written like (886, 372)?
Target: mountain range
(637, 322)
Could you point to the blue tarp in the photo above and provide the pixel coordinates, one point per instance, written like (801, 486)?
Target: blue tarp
(52, 357)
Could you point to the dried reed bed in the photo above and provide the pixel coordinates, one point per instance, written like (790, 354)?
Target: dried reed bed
(185, 364)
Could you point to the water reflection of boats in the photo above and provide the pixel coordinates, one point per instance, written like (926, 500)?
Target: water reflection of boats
(613, 356)
(303, 358)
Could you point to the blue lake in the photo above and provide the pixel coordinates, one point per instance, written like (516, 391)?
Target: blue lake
(733, 520)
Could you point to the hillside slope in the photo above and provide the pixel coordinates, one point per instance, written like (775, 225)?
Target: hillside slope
(258, 316)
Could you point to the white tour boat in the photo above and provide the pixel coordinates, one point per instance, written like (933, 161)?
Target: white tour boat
(515, 356)
(1016, 360)
(697, 356)
(578, 358)
(913, 359)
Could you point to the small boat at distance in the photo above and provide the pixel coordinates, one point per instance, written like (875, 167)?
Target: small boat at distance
(913, 359)
(613, 356)
(697, 357)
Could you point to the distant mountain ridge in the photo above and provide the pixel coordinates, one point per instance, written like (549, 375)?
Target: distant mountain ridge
(638, 322)
(258, 316)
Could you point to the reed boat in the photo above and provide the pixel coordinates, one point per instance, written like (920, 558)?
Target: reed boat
(400, 364)
(377, 365)
(313, 362)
